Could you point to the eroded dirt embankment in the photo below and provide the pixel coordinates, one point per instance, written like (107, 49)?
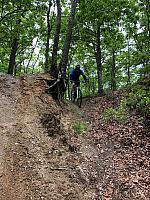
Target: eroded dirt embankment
(42, 158)
(35, 157)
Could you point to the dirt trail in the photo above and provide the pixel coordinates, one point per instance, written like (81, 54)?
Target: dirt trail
(42, 158)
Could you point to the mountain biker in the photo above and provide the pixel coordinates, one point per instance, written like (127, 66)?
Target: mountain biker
(74, 78)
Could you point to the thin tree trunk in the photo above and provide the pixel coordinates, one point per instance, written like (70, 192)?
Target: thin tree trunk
(113, 72)
(98, 61)
(64, 59)
(14, 46)
(12, 60)
(148, 16)
(54, 70)
(33, 66)
(128, 67)
(31, 56)
(48, 36)
(24, 69)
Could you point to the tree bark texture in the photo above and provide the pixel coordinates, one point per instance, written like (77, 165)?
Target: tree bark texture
(54, 70)
(113, 72)
(98, 61)
(14, 46)
(31, 55)
(66, 47)
(12, 60)
(148, 16)
(128, 65)
(48, 37)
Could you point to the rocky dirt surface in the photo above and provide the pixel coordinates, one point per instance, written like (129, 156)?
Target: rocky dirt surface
(41, 157)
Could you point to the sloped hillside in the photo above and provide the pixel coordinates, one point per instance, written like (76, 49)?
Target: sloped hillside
(35, 157)
(123, 150)
(41, 156)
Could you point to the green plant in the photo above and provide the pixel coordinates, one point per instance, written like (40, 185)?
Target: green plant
(116, 114)
(79, 127)
(109, 114)
(138, 99)
(119, 114)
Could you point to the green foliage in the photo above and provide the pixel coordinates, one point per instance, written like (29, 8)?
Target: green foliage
(79, 127)
(118, 114)
(123, 24)
(138, 99)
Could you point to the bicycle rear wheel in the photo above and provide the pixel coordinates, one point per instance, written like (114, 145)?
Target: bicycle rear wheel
(79, 98)
(72, 98)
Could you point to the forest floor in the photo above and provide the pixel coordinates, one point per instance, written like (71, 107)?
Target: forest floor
(41, 156)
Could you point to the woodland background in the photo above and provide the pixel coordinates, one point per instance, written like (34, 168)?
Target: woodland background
(110, 39)
(52, 149)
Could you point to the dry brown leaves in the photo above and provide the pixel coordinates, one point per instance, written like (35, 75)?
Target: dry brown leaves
(125, 148)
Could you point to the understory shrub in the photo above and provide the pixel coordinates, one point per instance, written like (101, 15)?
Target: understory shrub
(137, 100)
(118, 114)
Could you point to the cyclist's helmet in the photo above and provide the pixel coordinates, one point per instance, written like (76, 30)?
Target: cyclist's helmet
(78, 67)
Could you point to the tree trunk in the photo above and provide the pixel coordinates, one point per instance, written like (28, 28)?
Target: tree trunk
(54, 70)
(31, 55)
(14, 46)
(12, 60)
(64, 59)
(113, 72)
(33, 66)
(48, 36)
(148, 17)
(128, 64)
(98, 61)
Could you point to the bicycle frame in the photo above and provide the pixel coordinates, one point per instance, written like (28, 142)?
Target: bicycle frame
(76, 94)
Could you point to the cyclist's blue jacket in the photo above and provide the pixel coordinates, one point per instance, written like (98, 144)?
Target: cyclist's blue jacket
(74, 75)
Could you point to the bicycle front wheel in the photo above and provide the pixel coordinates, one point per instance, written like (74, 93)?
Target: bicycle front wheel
(79, 98)
(72, 96)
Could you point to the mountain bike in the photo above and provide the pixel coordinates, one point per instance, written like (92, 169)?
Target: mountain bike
(76, 93)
